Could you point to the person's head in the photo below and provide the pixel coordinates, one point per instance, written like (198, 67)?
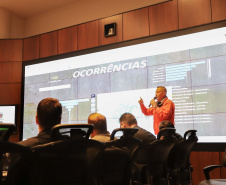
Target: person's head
(166, 124)
(99, 122)
(49, 113)
(127, 120)
(160, 93)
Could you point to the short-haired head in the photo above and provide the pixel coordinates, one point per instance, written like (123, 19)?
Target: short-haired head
(166, 124)
(49, 112)
(162, 88)
(127, 119)
(99, 122)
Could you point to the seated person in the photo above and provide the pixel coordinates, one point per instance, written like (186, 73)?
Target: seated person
(49, 113)
(127, 120)
(100, 132)
(168, 124)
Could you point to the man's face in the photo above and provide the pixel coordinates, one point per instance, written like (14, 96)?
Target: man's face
(160, 94)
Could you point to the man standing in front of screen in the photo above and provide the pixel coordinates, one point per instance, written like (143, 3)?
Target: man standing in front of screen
(162, 109)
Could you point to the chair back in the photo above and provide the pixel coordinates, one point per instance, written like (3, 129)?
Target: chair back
(158, 153)
(126, 141)
(115, 166)
(10, 154)
(127, 145)
(71, 161)
(166, 133)
(151, 160)
(127, 132)
(68, 131)
(179, 168)
(6, 130)
(179, 155)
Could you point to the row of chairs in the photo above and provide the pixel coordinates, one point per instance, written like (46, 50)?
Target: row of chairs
(164, 161)
(73, 158)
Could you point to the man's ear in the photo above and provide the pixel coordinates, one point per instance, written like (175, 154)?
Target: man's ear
(36, 119)
(164, 93)
(91, 135)
(122, 124)
(94, 133)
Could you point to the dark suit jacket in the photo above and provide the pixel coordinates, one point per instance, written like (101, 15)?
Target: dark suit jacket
(42, 138)
(144, 135)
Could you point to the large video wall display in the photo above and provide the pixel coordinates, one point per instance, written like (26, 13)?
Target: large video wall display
(192, 68)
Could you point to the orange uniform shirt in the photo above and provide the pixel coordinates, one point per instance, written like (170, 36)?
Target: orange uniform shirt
(165, 112)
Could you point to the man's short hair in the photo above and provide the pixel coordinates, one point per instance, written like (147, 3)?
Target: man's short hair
(49, 112)
(162, 88)
(166, 124)
(99, 122)
(128, 118)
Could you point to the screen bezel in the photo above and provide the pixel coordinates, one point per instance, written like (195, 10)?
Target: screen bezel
(198, 146)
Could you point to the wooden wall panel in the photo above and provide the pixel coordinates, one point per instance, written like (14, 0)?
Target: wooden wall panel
(193, 13)
(135, 24)
(10, 93)
(67, 40)
(88, 35)
(31, 48)
(218, 10)
(163, 17)
(10, 72)
(112, 39)
(11, 50)
(201, 159)
(223, 169)
(48, 44)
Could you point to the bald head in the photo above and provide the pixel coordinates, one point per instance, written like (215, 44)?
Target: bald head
(99, 121)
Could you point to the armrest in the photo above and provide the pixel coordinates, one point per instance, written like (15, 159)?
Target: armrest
(207, 169)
